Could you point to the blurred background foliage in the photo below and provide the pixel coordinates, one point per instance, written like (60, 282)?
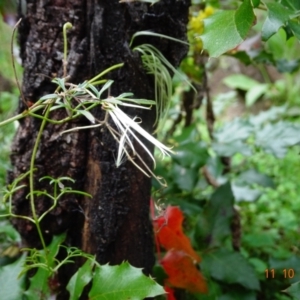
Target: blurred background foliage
(236, 169)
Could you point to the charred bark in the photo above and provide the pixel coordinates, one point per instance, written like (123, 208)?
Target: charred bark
(115, 223)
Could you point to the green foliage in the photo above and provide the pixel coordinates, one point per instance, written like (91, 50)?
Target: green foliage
(213, 224)
(123, 282)
(217, 38)
(80, 279)
(230, 267)
(12, 285)
(294, 290)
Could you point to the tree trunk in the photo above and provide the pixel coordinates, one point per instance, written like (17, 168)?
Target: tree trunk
(114, 224)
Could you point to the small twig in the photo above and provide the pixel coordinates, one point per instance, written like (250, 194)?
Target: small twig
(209, 178)
(13, 61)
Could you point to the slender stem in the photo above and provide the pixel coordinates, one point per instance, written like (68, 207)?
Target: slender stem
(31, 180)
(13, 61)
(105, 72)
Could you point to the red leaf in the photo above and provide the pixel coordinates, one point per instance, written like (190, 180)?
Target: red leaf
(169, 232)
(170, 293)
(182, 273)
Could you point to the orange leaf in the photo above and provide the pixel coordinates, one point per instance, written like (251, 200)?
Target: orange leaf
(170, 234)
(170, 293)
(182, 273)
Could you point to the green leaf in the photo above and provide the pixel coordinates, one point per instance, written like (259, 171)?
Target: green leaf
(185, 178)
(255, 93)
(11, 286)
(288, 66)
(292, 4)
(241, 295)
(80, 279)
(87, 114)
(245, 193)
(255, 3)
(293, 262)
(240, 81)
(295, 27)
(39, 288)
(252, 176)
(259, 240)
(191, 155)
(277, 138)
(123, 282)
(39, 282)
(49, 96)
(294, 290)
(218, 38)
(230, 267)
(230, 139)
(278, 15)
(214, 223)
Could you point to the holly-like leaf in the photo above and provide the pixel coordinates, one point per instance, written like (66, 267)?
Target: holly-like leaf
(293, 290)
(224, 30)
(278, 16)
(182, 273)
(80, 279)
(230, 267)
(11, 286)
(169, 232)
(123, 282)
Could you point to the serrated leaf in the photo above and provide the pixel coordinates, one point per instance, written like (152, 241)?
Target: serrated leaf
(230, 139)
(123, 282)
(278, 15)
(277, 138)
(12, 287)
(294, 290)
(230, 267)
(80, 279)
(218, 38)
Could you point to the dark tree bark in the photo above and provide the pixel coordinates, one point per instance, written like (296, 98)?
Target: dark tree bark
(115, 223)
